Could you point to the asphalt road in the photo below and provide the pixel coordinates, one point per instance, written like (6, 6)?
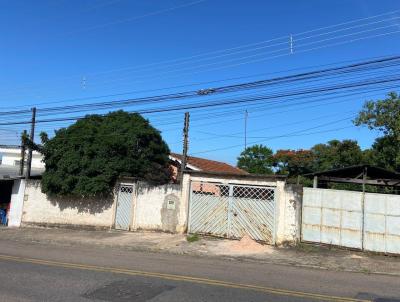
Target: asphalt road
(38, 272)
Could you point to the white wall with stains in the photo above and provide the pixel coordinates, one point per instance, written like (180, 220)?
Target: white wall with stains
(40, 210)
(158, 208)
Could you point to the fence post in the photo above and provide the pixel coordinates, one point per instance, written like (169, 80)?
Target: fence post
(363, 208)
(230, 206)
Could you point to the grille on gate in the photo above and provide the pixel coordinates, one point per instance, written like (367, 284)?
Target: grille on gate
(257, 193)
(126, 189)
(203, 188)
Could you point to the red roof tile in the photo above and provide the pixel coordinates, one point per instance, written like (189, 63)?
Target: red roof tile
(208, 165)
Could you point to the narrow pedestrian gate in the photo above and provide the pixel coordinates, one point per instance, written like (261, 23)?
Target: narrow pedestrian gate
(232, 211)
(123, 213)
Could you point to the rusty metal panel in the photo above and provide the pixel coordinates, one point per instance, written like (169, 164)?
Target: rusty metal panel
(232, 211)
(332, 217)
(382, 223)
(337, 217)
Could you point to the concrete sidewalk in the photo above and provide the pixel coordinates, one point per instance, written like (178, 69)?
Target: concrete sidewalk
(245, 250)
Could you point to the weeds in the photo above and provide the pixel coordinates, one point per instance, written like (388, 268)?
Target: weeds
(192, 238)
(308, 248)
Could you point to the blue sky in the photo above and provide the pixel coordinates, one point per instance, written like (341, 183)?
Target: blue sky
(55, 53)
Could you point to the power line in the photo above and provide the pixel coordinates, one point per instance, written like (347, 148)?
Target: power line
(295, 133)
(382, 63)
(154, 13)
(266, 41)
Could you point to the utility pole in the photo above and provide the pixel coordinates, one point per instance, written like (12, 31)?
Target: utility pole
(31, 137)
(185, 146)
(246, 114)
(23, 149)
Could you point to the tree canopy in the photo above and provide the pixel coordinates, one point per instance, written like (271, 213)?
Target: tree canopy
(336, 154)
(88, 157)
(384, 116)
(293, 162)
(257, 159)
(380, 115)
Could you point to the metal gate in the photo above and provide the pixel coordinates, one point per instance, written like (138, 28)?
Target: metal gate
(123, 212)
(232, 211)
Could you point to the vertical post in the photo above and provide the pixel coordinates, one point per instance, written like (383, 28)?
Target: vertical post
(246, 114)
(315, 183)
(23, 148)
(365, 171)
(291, 44)
(31, 137)
(230, 211)
(185, 146)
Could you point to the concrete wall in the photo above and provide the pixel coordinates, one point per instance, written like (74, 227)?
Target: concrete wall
(41, 210)
(289, 214)
(158, 208)
(17, 203)
(154, 208)
(163, 208)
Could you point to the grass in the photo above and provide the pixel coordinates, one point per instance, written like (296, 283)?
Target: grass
(365, 270)
(308, 248)
(192, 238)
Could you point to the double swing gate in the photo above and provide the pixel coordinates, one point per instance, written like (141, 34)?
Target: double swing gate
(232, 211)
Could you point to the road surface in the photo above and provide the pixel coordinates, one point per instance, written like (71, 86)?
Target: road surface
(48, 272)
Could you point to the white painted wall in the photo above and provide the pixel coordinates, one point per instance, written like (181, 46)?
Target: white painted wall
(41, 210)
(151, 210)
(150, 207)
(17, 203)
(289, 204)
(9, 157)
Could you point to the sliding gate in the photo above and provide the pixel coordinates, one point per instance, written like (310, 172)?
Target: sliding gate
(232, 211)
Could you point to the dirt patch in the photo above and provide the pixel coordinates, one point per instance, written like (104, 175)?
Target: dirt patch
(354, 256)
(242, 247)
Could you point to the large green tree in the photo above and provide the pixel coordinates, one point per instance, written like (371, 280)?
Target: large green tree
(88, 157)
(257, 159)
(384, 116)
(336, 154)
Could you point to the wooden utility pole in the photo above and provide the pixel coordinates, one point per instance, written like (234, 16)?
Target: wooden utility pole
(23, 149)
(31, 138)
(185, 146)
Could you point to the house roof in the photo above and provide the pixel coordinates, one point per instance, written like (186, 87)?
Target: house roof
(354, 171)
(207, 165)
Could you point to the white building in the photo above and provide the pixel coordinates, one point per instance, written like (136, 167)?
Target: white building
(11, 156)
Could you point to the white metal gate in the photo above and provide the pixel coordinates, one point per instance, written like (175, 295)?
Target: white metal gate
(123, 212)
(367, 221)
(232, 211)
